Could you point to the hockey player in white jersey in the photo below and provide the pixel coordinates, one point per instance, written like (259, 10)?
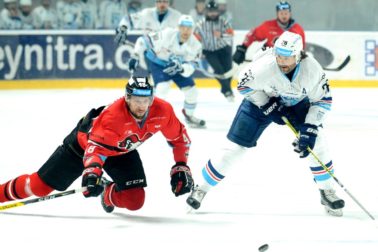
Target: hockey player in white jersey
(282, 81)
(149, 19)
(171, 55)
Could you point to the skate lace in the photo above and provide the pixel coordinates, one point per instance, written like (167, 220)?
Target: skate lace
(198, 194)
(330, 195)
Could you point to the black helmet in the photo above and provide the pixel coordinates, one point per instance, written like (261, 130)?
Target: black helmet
(283, 5)
(212, 6)
(139, 86)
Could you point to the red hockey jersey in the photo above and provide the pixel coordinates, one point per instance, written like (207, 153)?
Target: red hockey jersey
(116, 132)
(271, 30)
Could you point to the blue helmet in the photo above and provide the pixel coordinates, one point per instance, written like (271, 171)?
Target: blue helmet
(283, 5)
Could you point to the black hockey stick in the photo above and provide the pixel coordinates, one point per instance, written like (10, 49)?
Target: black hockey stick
(340, 67)
(328, 171)
(48, 197)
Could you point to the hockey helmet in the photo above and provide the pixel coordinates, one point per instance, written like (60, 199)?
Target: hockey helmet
(289, 44)
(283, 5)
(139, 86)
(186, 20)
(212, 6)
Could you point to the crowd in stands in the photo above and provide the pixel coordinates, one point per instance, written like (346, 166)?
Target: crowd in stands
(82, 14)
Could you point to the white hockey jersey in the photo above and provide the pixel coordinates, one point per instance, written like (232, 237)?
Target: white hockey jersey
(160, 46)
(262, 79)
(147, 20)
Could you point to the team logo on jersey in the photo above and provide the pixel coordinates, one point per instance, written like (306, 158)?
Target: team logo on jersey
(132, 141)
(248, 76)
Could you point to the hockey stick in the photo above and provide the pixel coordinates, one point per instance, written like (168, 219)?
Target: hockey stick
(341, 66)
(48, 197)
(327, 170)
(226, 75)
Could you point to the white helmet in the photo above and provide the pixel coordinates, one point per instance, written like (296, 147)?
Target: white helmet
(26, 2)
(186, 20)
(289, 44)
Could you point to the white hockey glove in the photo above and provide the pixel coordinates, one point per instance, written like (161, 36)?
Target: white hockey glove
(121, 35)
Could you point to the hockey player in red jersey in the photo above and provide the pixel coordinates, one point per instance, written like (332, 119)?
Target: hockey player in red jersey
(106, 140)
(270, 30)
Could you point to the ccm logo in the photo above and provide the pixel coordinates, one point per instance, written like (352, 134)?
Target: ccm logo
(270, 109)
(134, 182)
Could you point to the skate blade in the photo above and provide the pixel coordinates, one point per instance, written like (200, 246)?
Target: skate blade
(333, 212)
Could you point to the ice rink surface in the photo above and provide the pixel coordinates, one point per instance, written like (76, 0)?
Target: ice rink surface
(269, 196)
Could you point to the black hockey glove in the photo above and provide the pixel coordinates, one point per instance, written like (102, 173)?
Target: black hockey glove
(181, 179)
(274, 110)
(132, 64)
(173, 67)
(121, 35)
(239, 55)
(307, 138)
(92, 180)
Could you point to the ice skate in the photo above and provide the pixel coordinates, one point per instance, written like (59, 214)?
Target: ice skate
(229, 96)
(107, 208)
(193, 122)
(333, 204)
(196, 197)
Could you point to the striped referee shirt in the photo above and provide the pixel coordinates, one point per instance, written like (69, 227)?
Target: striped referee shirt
(205, 30)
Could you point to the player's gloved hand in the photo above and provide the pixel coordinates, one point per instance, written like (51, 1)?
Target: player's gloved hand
(92, 180)
(173, 67)
(181, 179)
(121, 35)
(239, 55)
(132, 64)
(307, 138)
(274, 110)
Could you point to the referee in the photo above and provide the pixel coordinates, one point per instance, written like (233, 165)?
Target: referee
(216, 34)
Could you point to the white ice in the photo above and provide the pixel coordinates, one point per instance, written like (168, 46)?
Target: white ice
(269, 196)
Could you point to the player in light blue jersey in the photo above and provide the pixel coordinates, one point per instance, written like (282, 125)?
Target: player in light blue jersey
(280, 81)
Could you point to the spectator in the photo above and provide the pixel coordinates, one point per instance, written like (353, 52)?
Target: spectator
(88, 14)
(111, 13)
(45, 16)
(134, 6)
(10, 16)
(26, 14)
(69, 14)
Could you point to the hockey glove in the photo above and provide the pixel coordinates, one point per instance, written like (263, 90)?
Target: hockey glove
(307, 138)
(274, 110)
(92, 180)
(239, 55)
(133, 64)
(181, 179)
(173, 67)
(121, 35)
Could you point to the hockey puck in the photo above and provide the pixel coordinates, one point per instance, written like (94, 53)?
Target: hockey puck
(263, 248)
